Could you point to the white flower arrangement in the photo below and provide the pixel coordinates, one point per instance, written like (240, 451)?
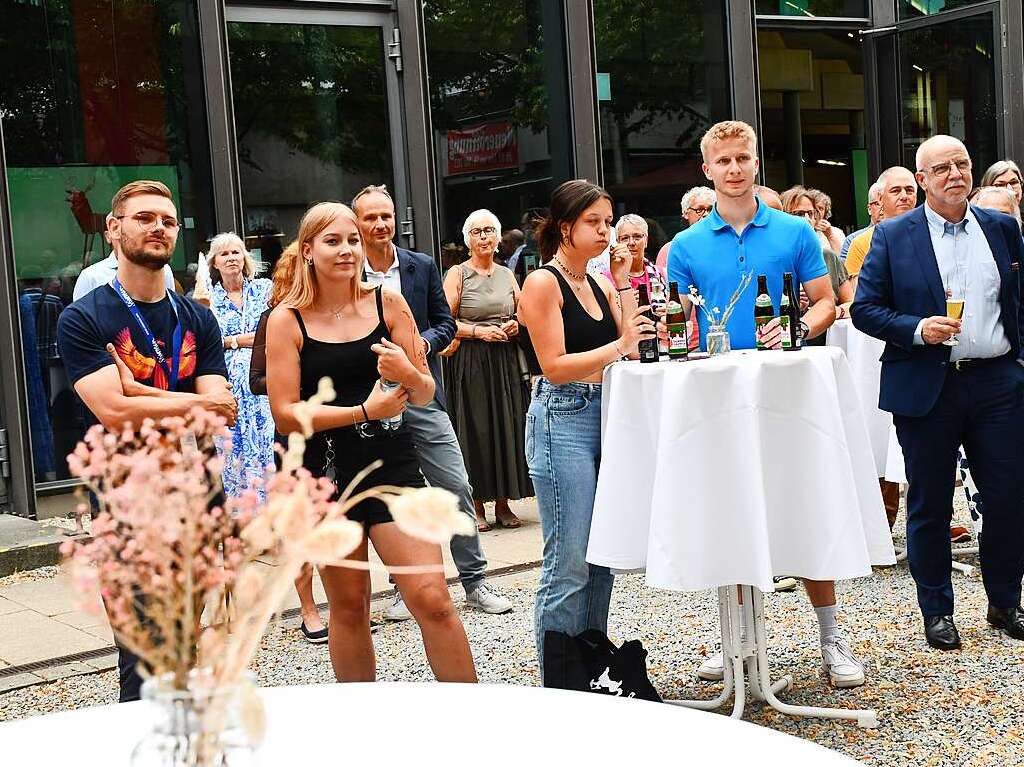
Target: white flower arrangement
(715, 316)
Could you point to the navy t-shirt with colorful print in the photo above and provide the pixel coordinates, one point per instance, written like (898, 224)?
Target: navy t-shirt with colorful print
(100, 317)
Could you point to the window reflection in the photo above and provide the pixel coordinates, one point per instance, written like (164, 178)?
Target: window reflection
(948, 86)
(94, 95)
(499, 104)
(810, 9)
(663, 81)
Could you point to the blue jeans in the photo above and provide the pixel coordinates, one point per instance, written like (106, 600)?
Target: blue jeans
(563, 452)
(443, 466)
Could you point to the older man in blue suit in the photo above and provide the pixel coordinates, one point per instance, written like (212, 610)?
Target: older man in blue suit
(415, 276)
(951, 381)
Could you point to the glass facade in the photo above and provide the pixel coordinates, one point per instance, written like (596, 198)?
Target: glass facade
(810, 9)
(95, 94)
(311, 122)
(499, 103)
(491, 109)
(663, 80)
(948, 85)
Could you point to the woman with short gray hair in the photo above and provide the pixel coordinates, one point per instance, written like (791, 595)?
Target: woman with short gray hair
(1007, 174)
(486, 381)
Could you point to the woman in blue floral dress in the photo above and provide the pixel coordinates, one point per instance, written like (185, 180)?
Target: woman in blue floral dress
(238, 300)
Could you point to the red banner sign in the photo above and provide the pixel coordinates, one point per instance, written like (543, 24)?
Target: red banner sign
(482, 147)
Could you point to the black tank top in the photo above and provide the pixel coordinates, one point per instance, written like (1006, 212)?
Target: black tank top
(582, 332)
(352, 366)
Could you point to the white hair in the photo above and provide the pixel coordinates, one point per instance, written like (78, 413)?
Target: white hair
(883, 179)
(473, 217)
(876, 189)
(698, 191)
(632, 218)
(926, 146)
(996, 191)
(225, 241)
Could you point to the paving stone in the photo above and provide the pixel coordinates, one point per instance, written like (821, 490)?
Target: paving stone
(27, 637)
(103, 662)
(63, 671)
(80, 619)
(52, 596)
(7, 606)
(17, 681)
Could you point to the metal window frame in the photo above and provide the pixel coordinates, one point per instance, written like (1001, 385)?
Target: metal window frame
(581, 47)
(13, 391)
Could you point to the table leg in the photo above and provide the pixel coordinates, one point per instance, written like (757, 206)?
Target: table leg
(748, 662)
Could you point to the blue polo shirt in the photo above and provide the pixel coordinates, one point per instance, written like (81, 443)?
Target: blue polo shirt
(712, 257)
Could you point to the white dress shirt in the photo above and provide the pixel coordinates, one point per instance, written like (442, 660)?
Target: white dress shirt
(103, 272)
(968, 270)
(390, 278)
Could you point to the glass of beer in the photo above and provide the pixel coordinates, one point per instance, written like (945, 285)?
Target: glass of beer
(955, 311)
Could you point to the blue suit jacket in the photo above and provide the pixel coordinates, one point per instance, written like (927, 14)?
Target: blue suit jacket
(423, 291)
(899, 284)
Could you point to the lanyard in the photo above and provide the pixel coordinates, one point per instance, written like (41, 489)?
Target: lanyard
(172, 369)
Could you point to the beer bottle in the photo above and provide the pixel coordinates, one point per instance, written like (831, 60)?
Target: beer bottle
(675, 321)
(794, 300)
(763, 309)
(786, 311)
(648, 347)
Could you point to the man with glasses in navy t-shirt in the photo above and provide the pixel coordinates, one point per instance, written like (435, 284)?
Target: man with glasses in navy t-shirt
(132, 349)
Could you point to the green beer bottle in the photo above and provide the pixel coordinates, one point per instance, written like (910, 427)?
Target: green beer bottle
(763, 309)
(675, 322)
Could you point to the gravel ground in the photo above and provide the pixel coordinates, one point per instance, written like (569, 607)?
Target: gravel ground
(935, 709)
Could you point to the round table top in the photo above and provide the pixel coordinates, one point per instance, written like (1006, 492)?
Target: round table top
(394, 723)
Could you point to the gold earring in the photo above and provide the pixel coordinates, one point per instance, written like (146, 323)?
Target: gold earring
(309, 262)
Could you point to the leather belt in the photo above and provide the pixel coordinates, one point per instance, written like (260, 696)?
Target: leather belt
(962, 366)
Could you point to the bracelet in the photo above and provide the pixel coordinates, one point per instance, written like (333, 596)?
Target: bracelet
(365, 416)
(623, 290)
(473, 335)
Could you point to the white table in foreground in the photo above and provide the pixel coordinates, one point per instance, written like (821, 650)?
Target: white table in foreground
(734, 469)
(393, 723)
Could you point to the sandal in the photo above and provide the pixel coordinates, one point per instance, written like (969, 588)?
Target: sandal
(482, 525)
(509, 521)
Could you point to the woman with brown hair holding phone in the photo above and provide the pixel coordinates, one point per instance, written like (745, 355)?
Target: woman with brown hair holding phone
(578, 324)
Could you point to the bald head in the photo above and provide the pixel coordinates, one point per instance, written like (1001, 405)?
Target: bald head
(898, 191)
(944, 172)
(939, 145)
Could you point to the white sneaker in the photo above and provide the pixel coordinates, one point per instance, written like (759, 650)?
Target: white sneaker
(482, 598)
(397, 611)
(713, 669)
(843, 667)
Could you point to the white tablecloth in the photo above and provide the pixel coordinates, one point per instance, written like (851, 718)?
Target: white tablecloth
(864, 352)
(737, 468)
(425, 724)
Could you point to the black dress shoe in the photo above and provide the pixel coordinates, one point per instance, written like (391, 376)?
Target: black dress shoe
(941, 633)
(1009, 619)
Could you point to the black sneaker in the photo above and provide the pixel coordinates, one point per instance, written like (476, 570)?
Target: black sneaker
(314, 637)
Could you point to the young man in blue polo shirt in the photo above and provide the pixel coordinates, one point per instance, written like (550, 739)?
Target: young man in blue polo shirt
(742, 235)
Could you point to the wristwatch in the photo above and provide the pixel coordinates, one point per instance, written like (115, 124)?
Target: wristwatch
(234, 341)
(805, 330)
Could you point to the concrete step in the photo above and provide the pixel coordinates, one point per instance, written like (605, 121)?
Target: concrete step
(26, 544)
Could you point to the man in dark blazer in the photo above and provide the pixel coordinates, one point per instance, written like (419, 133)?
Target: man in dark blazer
(943, 396)
(415, 276)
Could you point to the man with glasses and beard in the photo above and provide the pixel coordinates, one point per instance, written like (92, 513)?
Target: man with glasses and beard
(132, 349)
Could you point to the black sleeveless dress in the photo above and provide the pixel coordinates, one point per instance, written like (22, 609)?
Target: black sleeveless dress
(343, 453)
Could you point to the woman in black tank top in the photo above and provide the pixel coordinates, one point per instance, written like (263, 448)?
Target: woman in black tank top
(331, 325)
(578, 325)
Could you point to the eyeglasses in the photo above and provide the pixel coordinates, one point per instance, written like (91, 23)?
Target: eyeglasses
(873, 203)
(700, 211)
(944, 168)
(810, 215)
(1012, 182)
(147, 221)
(483, 231)
(631, 238)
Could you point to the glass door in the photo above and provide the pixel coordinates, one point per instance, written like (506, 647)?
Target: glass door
(949, 79)
(317, 116)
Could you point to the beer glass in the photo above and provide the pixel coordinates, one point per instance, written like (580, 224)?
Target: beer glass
(955, 311)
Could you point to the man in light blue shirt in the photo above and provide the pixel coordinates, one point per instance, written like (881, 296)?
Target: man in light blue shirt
(742, 234)
(874, 213)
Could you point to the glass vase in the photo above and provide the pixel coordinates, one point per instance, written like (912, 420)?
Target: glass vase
(717, 340)
(200, 726)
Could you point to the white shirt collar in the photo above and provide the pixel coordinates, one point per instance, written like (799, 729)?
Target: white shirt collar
(392, 268)
(938, 224)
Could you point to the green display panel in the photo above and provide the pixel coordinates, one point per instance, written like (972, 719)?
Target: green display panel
(57, 214)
